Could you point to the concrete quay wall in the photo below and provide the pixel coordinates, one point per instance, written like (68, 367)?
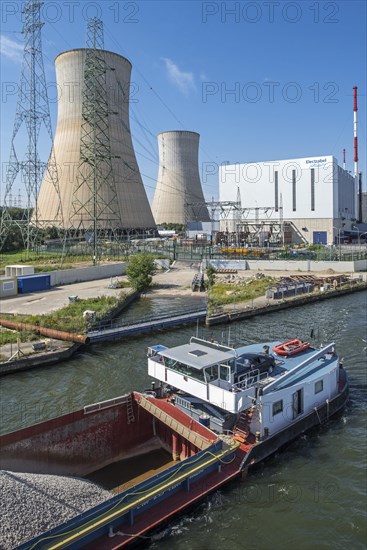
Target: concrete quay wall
(81, 274)
(290, 265)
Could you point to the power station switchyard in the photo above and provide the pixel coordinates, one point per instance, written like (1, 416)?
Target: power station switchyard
(178, 186)
(99, 180)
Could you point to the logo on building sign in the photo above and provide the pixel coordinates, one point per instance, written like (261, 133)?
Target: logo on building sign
(315, 161)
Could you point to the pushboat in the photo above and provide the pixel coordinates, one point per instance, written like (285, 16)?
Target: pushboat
(290, 347)
(260, 399)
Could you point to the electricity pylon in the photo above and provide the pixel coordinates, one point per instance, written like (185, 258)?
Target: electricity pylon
(32, 110)
(95, 211)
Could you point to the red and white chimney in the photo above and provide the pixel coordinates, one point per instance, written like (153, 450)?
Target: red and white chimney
(355, 109)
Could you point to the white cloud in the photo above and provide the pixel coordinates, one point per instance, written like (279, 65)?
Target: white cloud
(11, 49)
(183, 80)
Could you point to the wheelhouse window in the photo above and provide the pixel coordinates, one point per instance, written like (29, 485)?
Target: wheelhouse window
(224, 371)
(211, 373)
(183, 369)
(277, 407)
(231, 363)
(319, 386)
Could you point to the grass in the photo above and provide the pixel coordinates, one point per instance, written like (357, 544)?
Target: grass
(48, 268)
(68, 319)
(11, 337)
(41, 262)
(222, 294)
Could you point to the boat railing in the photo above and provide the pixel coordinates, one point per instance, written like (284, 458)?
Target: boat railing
(106, 404)
(184, 403)
(211, 344)
(247, 380)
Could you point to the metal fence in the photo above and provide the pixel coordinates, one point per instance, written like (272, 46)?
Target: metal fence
(205, 251)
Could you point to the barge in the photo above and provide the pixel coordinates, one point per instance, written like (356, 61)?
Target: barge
(212, 412)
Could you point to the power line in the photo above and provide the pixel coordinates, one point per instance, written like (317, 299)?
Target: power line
(153, 90)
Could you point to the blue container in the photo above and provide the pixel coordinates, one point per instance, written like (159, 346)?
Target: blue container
(33, 283)
(204, 420)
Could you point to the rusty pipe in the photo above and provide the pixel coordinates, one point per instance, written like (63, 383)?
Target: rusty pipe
(49, 332)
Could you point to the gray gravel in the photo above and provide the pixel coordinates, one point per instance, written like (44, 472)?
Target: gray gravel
(34, 503)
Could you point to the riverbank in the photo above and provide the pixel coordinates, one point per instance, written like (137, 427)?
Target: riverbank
(21, 356)
(27, 359)
(260, 306)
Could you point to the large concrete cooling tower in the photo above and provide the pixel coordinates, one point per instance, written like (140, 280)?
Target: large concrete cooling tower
(178, 182)
(123, 195)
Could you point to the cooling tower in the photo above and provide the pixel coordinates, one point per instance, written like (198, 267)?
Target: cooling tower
(123, 191)
(178, 184)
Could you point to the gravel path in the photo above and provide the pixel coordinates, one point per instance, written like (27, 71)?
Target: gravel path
(34, 503)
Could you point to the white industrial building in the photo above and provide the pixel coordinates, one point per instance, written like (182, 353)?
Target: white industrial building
(308, 199)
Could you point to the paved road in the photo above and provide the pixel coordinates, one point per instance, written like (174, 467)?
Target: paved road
(38, 303)
(176, 281)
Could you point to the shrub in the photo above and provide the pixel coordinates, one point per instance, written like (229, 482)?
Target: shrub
(140, 271)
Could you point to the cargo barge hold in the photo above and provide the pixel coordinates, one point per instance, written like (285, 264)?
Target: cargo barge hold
(110, 434)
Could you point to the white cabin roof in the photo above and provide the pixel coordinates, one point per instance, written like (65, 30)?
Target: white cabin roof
(197, 356)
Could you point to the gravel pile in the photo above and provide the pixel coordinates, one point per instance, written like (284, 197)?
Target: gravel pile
(34, 503)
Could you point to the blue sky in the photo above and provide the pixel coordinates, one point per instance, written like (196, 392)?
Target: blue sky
(259, 80)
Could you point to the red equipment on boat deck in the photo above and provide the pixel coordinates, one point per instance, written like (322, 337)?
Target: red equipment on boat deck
(291, 347)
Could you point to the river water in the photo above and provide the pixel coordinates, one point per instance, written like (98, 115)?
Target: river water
(310, 495)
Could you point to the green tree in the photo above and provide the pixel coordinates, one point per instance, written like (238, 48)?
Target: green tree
(211, 271)
(140, 270)
(51, 233)
(178, 227)
(13, 240)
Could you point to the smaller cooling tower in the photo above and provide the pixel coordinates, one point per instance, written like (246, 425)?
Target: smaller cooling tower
(178, 185)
